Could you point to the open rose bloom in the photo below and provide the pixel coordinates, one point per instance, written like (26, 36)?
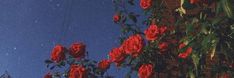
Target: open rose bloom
(145, 4)
(57, 54)
(146, 71)
(77, 50)
(77, 71)
(133, 45)
(117, 55)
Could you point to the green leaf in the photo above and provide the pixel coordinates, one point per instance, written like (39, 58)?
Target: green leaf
(189, 28)
(51, 68)
(187, 5)
(227, 7)
(131, 2)
(124, 20)
(191, 74)
(181, 10)
(216, 21)
(47, 65)
(218, 8)
(181, 60)
(63, 63)
(205, 41)
(213, 50)
(48, 61)
(132, 16)
(204, 28)
(195, 20)
(196, 59)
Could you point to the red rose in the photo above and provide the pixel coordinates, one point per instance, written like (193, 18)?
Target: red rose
(104, 64)
(152, 32)
(116, 18)
(187, 52)
(117, 55)
(145, 4)
(163, 46)
(193, 1)
(162, 30)
(57, 54)
(145, 71)
(133, 45)
(77, 71)
(48, 75)
(182, 45)
(183, 55)
(77, 50)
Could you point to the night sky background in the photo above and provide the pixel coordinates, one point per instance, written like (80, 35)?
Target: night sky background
(29, 29)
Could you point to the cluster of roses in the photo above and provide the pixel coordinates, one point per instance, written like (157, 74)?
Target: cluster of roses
(153, 32)
(77, 51)
(134, 44)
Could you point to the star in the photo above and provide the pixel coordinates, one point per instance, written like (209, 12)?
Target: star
(36, 21)
(14, 48)
(42, 45)
(57, 5)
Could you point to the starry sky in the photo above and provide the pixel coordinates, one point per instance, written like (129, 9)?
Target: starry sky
(29, 29)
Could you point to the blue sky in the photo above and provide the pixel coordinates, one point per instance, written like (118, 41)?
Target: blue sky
(29, 29)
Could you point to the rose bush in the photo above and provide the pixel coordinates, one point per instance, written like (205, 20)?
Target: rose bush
(171, 38)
